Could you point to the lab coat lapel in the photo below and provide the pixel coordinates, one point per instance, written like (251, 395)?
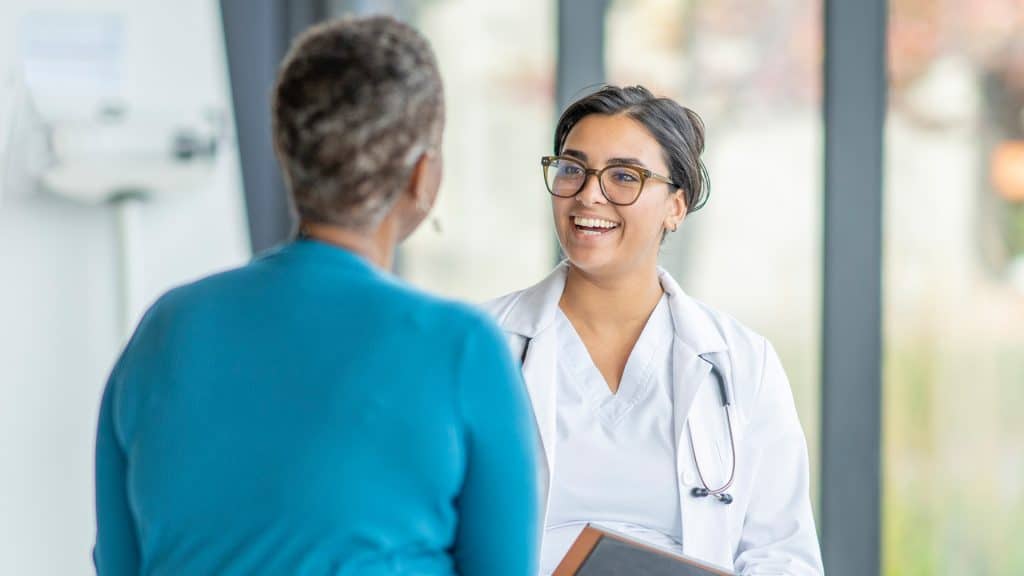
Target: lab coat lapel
(695, 397)
(529, 322)
(695, 392)
(690, 374)
(539, 375)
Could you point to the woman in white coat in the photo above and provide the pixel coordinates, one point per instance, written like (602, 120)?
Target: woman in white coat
(659, 416)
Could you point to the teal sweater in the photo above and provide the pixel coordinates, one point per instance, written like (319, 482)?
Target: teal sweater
(309, 414)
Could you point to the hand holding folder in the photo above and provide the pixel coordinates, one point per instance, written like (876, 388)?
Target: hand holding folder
(603, 552)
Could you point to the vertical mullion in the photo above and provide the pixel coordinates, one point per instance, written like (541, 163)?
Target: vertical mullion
(257, 34)
(581, 63)
(855, 100)
(580, 48)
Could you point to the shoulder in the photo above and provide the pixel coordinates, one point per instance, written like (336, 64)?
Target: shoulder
(199, 302)
(531, 310)
(749, 358)
(498, 308)
(708, 330)
(741, 340)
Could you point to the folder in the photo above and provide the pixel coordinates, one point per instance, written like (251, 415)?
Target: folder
(604, 552)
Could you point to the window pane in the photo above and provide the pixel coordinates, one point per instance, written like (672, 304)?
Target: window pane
(751, 69)
(954, 289)
(498, 63)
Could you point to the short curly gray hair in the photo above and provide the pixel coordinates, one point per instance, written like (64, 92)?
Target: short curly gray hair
(357, 101)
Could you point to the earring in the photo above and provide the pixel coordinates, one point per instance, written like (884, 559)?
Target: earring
(435, 222)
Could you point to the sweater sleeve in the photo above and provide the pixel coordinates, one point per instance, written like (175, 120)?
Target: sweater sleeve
(498, 519)
(117, 550)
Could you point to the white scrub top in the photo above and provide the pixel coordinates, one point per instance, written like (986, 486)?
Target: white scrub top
(616, 452)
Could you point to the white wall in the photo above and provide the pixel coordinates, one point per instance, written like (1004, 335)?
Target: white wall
(59, 299)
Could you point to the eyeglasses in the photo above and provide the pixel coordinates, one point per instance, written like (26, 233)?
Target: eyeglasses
(621, 184)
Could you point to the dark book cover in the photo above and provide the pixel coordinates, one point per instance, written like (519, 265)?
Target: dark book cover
(603, 552)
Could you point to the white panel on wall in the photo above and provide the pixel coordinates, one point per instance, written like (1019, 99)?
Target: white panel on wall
(60, 295)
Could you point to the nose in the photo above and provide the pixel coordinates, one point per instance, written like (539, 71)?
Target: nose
(591, 194)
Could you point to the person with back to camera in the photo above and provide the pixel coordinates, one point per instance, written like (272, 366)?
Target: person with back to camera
(659, 416)
(309, 413)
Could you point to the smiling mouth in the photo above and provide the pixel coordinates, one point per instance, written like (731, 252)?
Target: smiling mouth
(593, 226)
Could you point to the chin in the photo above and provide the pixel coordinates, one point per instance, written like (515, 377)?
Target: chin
(595, 254)
(589, 260)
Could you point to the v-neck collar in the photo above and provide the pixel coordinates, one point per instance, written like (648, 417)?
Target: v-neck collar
(635, 383)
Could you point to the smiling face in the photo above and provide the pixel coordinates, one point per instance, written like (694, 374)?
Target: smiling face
(598, 237)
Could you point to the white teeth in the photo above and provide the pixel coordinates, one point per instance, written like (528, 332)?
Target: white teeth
(594, 222)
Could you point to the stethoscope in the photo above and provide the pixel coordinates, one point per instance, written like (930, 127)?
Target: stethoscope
(703, 491)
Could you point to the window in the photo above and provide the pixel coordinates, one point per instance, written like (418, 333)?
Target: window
(954, 289)
(497, 60)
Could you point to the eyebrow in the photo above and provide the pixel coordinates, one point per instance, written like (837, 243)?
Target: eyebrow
(575, 154)
(583, 156)
(631, 161)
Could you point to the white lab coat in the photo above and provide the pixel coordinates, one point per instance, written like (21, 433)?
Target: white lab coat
(769, 528)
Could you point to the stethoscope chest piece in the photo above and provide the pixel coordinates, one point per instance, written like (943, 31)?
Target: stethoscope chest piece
(700, 492)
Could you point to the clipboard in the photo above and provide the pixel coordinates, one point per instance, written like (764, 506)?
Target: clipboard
(603, 552)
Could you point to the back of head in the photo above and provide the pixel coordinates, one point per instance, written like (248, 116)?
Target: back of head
(678, 130)
(357, 101)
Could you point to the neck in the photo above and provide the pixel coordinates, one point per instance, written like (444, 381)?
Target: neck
(611, 301)
(377, 246)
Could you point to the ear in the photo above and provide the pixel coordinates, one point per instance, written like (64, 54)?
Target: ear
(425, 181)
(676, 210)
